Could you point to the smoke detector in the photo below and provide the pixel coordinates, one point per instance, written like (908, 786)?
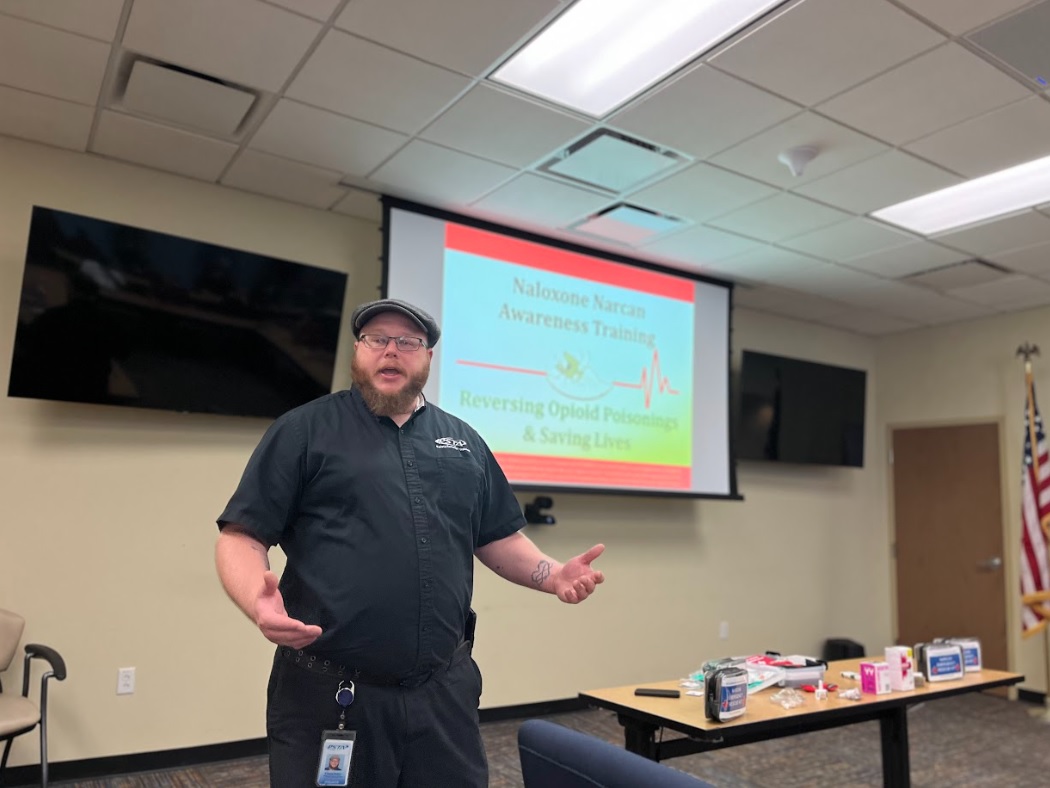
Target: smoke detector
(796, 159)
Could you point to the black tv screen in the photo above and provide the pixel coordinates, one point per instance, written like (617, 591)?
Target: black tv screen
(118, 315)
(800, 411)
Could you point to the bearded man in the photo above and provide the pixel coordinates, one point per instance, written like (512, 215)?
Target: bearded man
(380, 500)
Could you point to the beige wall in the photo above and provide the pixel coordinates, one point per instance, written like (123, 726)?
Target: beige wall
(970, 373)
(108, 528)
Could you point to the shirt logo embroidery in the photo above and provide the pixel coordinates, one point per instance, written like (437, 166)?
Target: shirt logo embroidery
(451, 443)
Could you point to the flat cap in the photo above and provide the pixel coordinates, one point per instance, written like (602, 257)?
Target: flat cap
(366, 312)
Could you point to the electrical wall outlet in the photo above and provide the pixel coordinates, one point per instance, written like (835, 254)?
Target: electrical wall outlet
(125, 681)
(723, 630)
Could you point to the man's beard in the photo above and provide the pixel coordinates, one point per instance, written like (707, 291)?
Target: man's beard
(382, 404)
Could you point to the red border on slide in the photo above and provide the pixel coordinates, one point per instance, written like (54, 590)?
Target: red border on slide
(526, 468)
(561, 261)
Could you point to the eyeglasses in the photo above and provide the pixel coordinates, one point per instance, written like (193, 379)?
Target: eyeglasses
(380, 341)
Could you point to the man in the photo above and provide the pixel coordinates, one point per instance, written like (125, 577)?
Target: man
(380, 500)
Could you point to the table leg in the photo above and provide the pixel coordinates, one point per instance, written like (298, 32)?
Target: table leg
(896, 765)
(639, 737)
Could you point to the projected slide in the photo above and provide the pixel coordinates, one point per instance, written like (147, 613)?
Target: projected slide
(558, 362)
(580, 370)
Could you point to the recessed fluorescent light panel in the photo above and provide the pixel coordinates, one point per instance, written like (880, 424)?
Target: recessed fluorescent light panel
(997, 194)
(600, 53)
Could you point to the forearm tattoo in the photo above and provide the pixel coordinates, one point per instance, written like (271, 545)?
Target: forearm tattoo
(543, 571)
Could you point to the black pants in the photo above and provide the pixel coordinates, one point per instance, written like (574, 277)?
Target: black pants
(422, 737)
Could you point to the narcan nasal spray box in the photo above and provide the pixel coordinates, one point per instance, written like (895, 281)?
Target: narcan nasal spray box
(901, 661)
(875, 678)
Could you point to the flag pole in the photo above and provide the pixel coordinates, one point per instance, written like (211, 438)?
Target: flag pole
(1026, 351)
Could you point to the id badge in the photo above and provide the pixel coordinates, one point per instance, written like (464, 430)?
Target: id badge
(337, 750)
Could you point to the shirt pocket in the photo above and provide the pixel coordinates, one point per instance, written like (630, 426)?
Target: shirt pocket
(462, 483)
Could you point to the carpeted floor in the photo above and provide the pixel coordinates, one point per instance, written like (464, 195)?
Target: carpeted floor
(971, 740)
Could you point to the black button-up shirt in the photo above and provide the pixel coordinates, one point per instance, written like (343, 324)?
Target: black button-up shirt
(379, 525)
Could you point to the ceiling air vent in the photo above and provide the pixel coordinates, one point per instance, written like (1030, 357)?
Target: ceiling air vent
(1020, 41)
(185, 98)
(628, 224)
(612, 162)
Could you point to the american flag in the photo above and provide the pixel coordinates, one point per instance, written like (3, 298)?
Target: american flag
(1035, 519)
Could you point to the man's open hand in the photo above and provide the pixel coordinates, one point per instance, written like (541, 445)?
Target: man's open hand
(273, 620)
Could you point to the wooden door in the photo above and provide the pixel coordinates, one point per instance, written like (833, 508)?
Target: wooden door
(949, 537)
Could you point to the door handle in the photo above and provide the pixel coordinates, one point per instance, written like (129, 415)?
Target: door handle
(990, 564)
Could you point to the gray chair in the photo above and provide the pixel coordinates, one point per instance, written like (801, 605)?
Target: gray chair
(553, 756)
(19, 713)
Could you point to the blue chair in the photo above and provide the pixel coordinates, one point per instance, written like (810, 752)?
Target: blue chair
(553, 756)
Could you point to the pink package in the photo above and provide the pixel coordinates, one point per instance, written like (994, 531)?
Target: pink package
(875, 678)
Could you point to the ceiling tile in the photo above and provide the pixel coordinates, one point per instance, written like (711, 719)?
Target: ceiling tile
(495, 125)
(244, 41)
(1013, 134)
(325, 139)
(699, 193)
(912, 302)
(94, 18)
(956, 17)
(780, 216)
(44, 119)
(284, 179)
(882, 180)
(55, 63)
(787, 303)
(849, 239)
(702, 245)
(1013, 292)
(320, 10)
(440, 175)
(703, 112)
(163, 148)
(861, 321)
(964, 274)
(538, 200)
(837, 147)
(465, 35)
(362, 204)
(827, 280)
(942, 87)
(343, 75)
(764, 263)
(995, 237)
(821, 47)
(1032, 260)
(908, 259)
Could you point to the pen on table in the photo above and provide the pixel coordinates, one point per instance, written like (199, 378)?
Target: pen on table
(849, 674)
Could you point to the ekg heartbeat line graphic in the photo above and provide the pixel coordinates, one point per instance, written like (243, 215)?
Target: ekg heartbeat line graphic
(502, 368)
(650, 379)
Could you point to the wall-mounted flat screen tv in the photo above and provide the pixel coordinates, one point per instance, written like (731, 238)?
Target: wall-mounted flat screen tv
(118, 315)
(797, 411)
(582, 370)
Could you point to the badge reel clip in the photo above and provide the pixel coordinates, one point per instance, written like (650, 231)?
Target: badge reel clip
(344, 696)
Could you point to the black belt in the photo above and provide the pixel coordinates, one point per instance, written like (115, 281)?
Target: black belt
(325, 666)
